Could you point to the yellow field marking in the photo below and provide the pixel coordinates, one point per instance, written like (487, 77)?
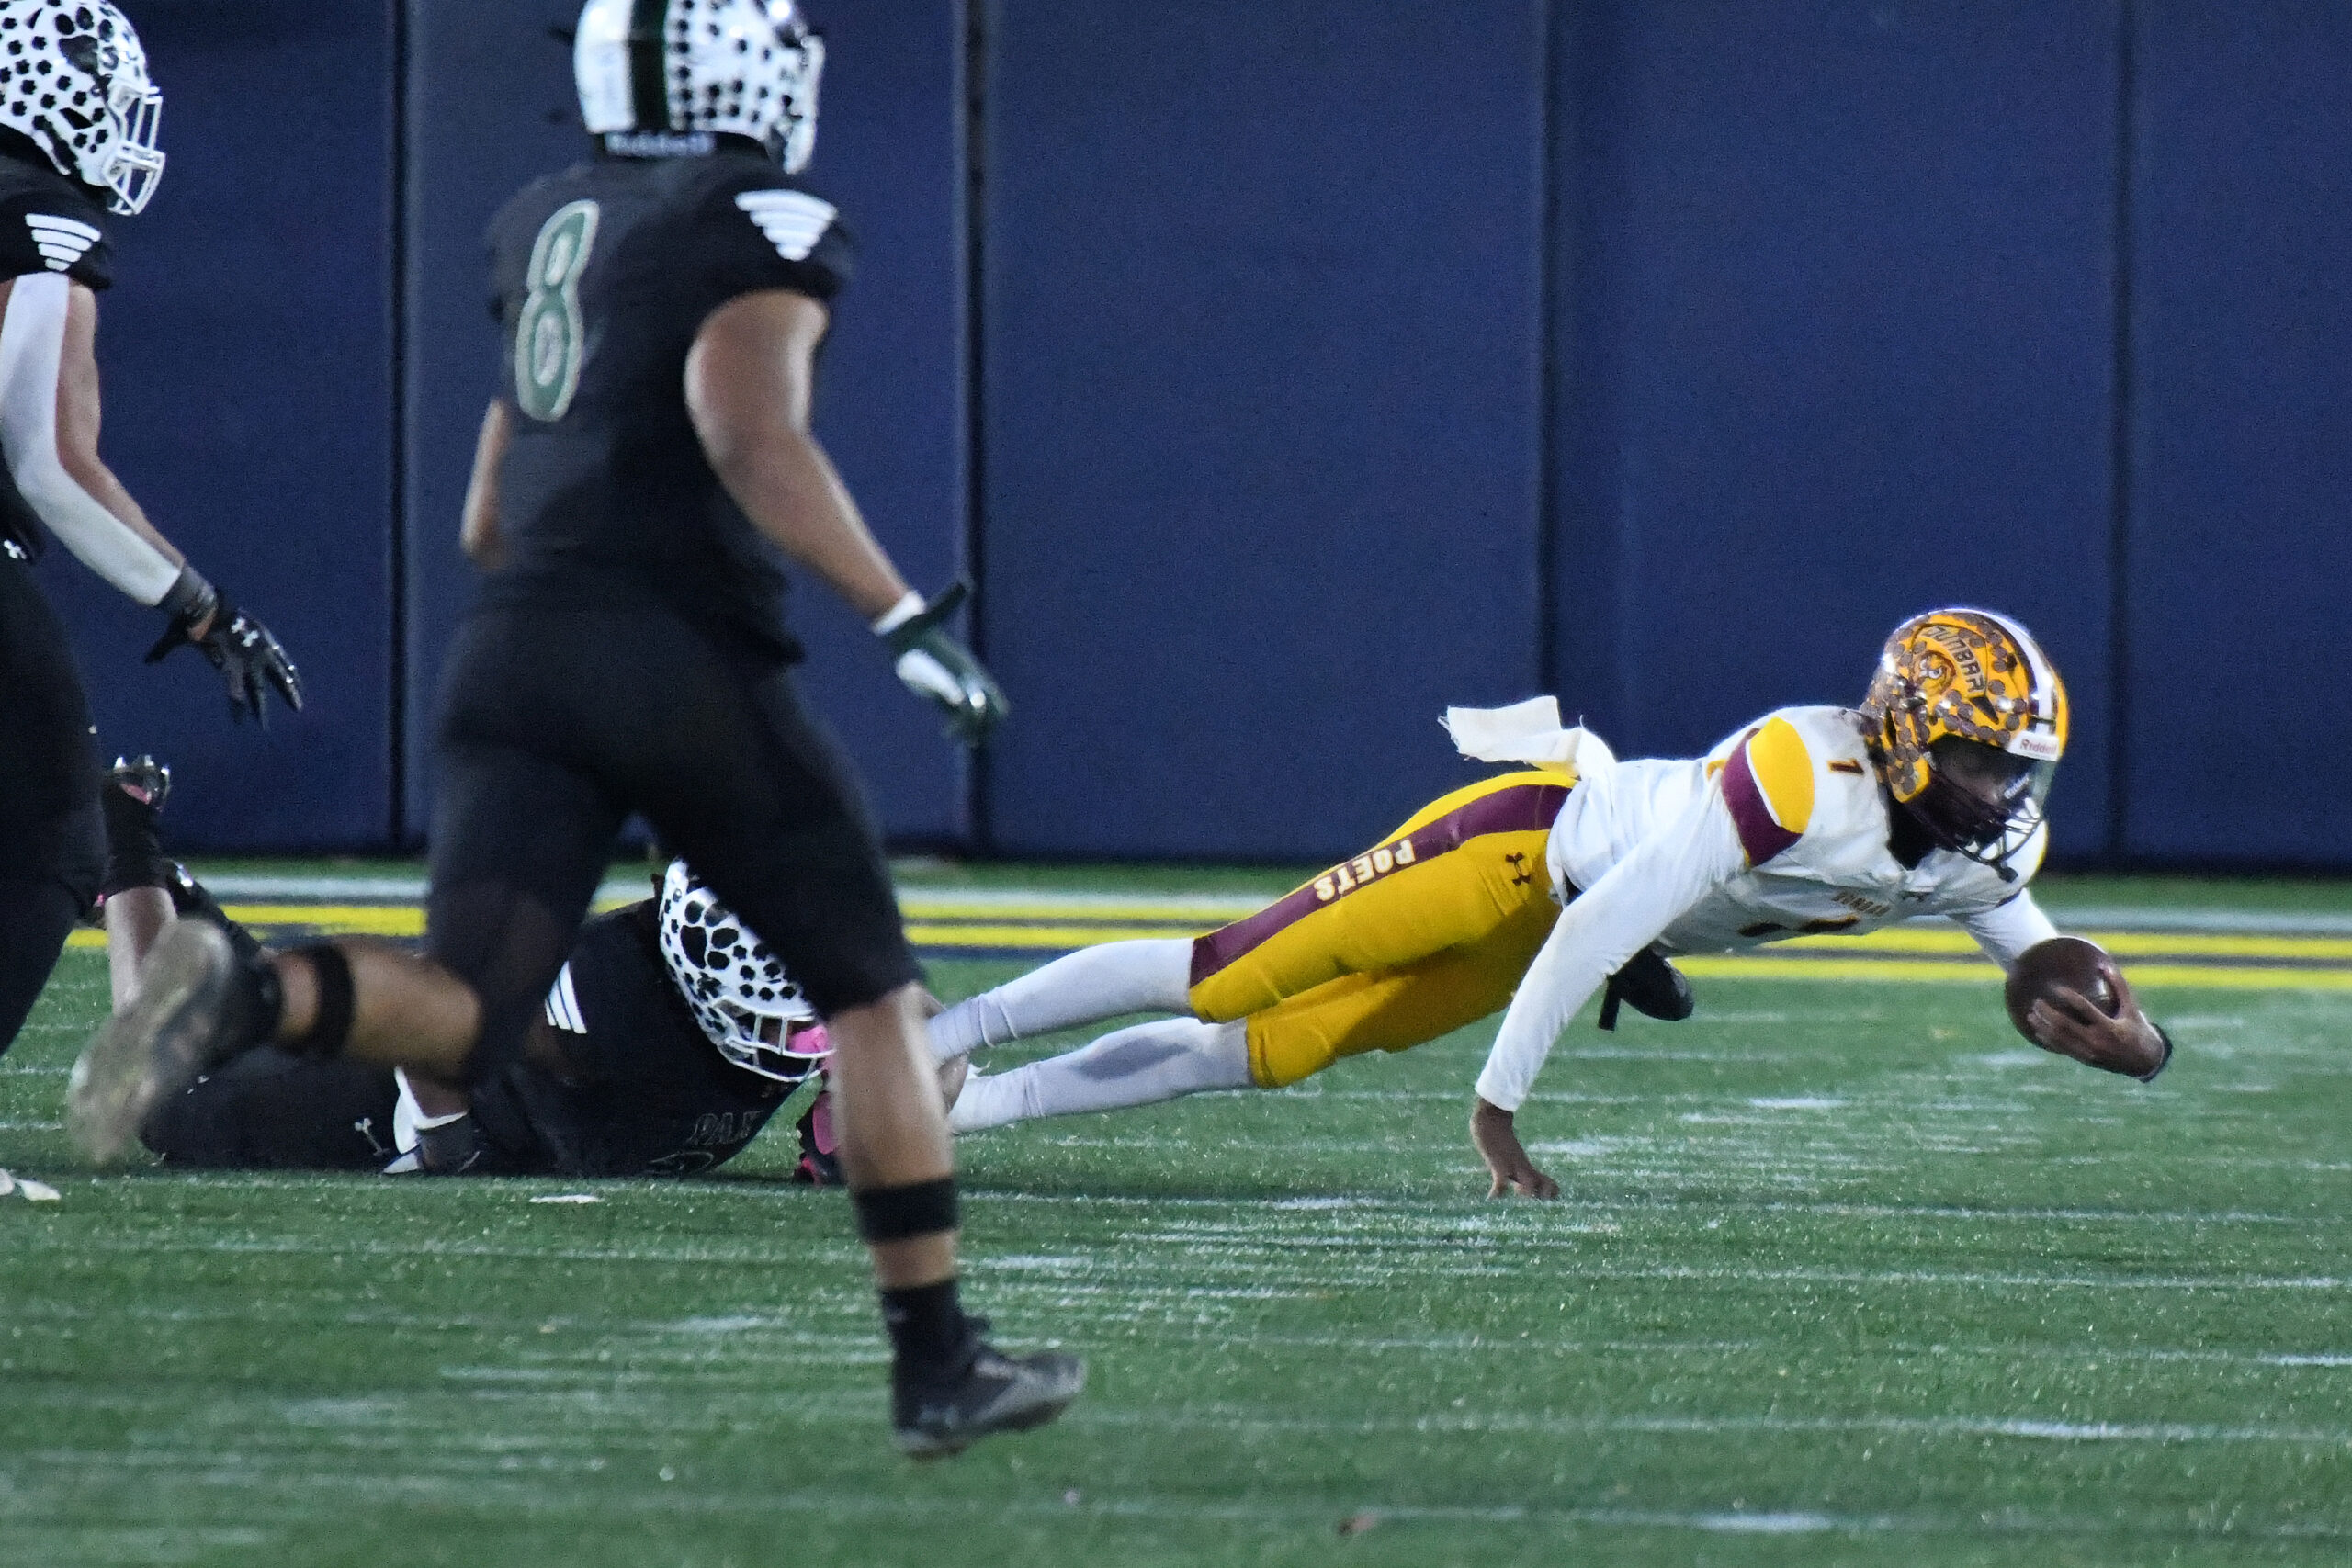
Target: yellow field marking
(2203, 976)
(2126, 944)
(925, 934)
(1879, 957)
(1195, 919)
(353, 919)
(2240, 978)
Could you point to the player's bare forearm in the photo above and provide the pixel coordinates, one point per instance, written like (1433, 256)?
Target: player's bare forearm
(79, 408)
(135, 917)
(749, 389)
(479, 532)
(788, 487)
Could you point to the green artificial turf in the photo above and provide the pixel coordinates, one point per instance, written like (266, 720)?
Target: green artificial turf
(1845, 1273)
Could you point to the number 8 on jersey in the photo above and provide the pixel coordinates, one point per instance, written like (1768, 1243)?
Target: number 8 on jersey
(549, 335)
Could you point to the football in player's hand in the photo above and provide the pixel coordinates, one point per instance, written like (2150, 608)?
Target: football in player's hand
(2069, 962)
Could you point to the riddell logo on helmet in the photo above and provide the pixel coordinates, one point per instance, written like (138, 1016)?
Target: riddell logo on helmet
(2039, 740)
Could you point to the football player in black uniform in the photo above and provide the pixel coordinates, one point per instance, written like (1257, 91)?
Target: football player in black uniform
(668, 1039)
(649, 455)
(77, 142)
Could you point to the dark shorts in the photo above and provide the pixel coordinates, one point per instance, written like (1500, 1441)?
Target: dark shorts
(50, 826)
(52, 839)
(559, 721)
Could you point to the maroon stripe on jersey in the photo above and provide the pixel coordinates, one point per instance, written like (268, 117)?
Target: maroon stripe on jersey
(1521, 808)
(1760, 836)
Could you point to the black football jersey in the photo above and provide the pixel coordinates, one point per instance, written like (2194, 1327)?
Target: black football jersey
(48, 223)
(603, 273)
(644, 1092)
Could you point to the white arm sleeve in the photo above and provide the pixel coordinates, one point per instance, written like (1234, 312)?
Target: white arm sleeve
(1682, 860)
(32, 340)
(2006, 929)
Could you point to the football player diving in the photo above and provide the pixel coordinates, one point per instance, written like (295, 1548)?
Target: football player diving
(78, 122)
(1528, 891)
(644, 472)
(668, 1039)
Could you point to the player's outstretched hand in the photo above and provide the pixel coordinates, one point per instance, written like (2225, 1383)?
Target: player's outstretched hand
(1507, 1161)
(2064, 1021)
(240, 647)
(938, 668)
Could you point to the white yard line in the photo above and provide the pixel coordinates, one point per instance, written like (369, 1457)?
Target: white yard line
(1243, 1419)
(751, 1336)
(467, 1486)
(1121, 1271)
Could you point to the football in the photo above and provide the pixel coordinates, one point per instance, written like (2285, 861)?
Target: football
(2062, 961)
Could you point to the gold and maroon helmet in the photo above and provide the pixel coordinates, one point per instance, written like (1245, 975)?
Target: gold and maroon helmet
(1964, 695)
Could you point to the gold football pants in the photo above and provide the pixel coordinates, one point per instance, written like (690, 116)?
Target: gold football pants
(1428, 931)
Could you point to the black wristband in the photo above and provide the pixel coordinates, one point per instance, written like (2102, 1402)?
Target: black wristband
(190, 598)
(908, 634)
(2162, 1062)
(895, 1213)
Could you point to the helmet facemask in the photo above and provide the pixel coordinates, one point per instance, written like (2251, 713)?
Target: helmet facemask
(136, 107)
(1980, 802)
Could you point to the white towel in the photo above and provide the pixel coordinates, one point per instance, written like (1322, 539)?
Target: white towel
(1526, 732)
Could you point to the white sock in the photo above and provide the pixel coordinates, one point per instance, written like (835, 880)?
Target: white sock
(1139, 1066)
(1085, 986)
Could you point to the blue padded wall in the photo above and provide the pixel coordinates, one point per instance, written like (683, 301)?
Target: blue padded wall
(1337, 364)
(892, 410)
(2240, 346)
(247, 353)
(1835, 336)
(1262, 370)
(491, 106)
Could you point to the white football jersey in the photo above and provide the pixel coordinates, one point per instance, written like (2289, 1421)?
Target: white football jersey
(1780, 830)
(1824, 865)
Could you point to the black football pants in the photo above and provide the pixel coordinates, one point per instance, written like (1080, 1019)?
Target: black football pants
(557, 721)
(52, 839)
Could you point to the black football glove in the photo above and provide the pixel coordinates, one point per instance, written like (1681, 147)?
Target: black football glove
(239, 647)
(937, 667)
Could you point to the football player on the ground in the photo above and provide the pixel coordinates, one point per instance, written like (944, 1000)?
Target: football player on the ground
(667, 1042)
(649, 455)
(1531, 888)
(77, 142)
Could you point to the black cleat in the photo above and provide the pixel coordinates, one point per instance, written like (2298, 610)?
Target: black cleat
(177, 1027)
(996, 1393)
(1651, 987)
(451, 1147)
